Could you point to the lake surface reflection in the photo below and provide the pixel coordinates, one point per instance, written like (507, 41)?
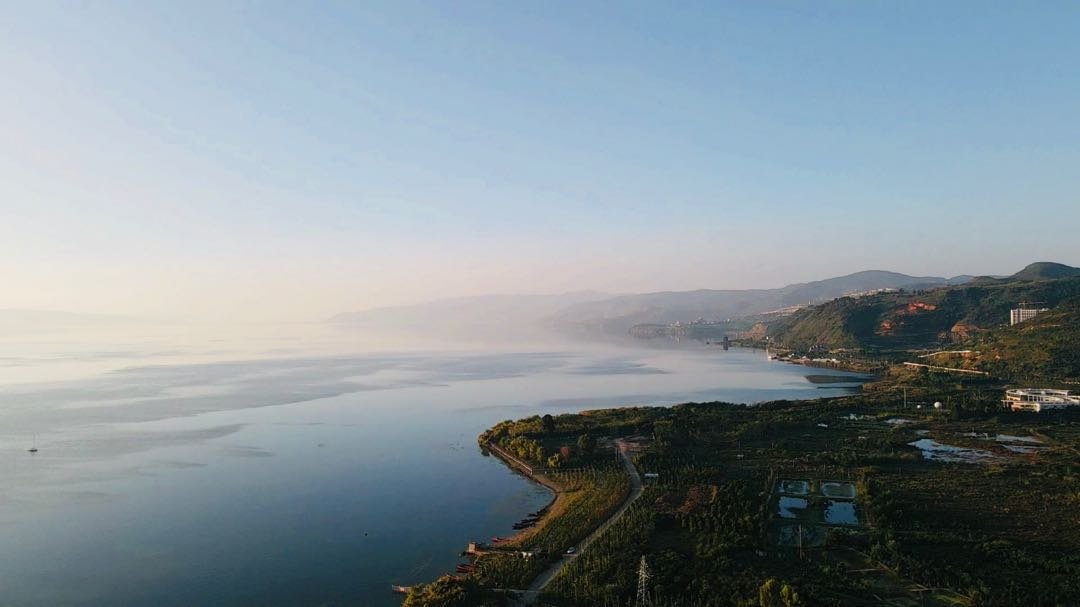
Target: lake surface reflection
(187, 474)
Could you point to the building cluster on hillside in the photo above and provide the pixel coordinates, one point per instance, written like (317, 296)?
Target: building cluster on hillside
(869, 292)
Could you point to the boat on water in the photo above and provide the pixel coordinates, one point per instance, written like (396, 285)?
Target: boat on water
(400, 589)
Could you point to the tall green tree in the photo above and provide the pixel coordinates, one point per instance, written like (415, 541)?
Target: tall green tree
(773, 593)
(549, 423)
(586, 445)
(769, 593)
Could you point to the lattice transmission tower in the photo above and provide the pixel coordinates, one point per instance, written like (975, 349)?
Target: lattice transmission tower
(643, 584)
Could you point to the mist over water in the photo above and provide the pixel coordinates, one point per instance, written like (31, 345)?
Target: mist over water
(299, 464)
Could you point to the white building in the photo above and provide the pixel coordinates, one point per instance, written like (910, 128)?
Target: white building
(1039, 399)
(1019, 315)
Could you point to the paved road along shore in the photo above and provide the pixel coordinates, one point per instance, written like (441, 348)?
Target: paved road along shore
(635, 492)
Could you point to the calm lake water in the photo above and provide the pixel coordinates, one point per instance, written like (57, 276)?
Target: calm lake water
(300, 467)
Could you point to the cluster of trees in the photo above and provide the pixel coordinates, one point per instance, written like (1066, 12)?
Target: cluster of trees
(671, 435)
(524, 448)
(702, 557)
(697, 547)
(509, 570)
(448, 591)
(599, 422)
(586, 445)
(533, 450)
(936, 547)
(508, 429)
(606, 572)
(525, 439)
(774, 593)
(567, 455)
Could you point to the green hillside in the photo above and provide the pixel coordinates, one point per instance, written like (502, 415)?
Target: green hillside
(918, 319)
(1046, 348)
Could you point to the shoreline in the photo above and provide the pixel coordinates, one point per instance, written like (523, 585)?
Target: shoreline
(863, 366)
(559, 495)
(530, 473)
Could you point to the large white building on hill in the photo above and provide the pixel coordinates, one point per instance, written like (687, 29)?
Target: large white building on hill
(1019, 315)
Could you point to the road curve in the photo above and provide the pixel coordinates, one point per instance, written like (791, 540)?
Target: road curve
(545, 578)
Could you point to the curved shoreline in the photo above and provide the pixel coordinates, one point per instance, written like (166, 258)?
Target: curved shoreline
(542, 579)
(531, 474)
(557, 560)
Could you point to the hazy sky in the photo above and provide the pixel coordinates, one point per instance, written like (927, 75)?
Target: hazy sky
(293, 160)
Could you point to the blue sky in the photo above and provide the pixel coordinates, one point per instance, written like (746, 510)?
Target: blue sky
(307, 158)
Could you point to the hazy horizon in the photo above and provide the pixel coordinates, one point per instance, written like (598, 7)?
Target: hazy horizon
(150, 318)
(280, 162)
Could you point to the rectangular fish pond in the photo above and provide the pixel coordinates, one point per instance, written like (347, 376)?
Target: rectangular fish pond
(805, 510)
(793, 487)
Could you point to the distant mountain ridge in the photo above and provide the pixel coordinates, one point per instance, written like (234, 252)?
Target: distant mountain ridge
(476, 313)
(1046, 270)
(618, 314)
(592, 312)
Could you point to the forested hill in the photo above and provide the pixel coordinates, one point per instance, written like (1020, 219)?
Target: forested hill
(1046, 270)
(923, 319)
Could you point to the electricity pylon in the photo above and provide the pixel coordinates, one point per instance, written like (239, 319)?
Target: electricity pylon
(642, 584)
